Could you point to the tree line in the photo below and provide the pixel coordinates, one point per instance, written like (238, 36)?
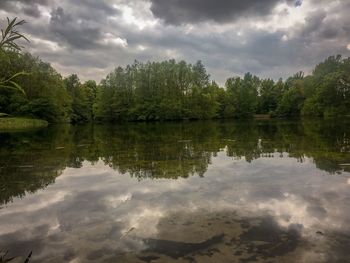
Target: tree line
(167, 90)
(170, 90)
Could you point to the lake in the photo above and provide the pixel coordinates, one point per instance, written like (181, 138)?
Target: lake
(211, 191)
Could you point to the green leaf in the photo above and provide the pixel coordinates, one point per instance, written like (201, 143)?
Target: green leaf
(13, 38)
(10, 25)
(7, 87)
(11, 34)
(22, 73)
(18, 87)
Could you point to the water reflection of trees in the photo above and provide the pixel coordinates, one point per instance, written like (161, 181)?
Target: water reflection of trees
(30, 161)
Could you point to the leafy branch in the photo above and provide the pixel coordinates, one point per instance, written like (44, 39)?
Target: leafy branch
(9, 36)
(10, 84)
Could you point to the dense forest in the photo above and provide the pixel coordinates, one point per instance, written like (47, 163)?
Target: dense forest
(167, 90)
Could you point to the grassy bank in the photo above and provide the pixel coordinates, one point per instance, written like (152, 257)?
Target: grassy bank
(21, 123)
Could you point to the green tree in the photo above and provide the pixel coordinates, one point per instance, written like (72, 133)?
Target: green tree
(293, 98)
(81, 106)
(90, 89)
(268, 99)
(329, 88)
(44, 93)
(243, 95)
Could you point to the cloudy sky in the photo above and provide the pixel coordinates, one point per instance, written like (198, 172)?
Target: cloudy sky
(270, 38)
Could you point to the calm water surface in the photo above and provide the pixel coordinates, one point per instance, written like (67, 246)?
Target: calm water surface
(264, 191)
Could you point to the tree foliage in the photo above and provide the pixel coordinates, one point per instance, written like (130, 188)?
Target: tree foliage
(167, 90)
(45, 95)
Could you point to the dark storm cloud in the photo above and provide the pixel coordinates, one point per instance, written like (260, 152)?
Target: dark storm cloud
(194, 11)
(32, 10)
(69, 28)
(25, 2)
(31, 2)
(28, 7)
(321, 25)
(314, 22)
(100, 6)
(81, 36)
(80, 23)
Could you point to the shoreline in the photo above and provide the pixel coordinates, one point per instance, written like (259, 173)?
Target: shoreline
(19, 123)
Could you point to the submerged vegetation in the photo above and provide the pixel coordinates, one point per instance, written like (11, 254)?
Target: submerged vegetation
(167, 90)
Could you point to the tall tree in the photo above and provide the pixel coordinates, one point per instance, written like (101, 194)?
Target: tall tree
(81, 109)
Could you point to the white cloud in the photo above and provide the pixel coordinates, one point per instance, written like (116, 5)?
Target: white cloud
(130, 16)
(51, 45)
(114, 40)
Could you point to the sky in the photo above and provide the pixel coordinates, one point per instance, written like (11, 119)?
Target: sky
(270, 38)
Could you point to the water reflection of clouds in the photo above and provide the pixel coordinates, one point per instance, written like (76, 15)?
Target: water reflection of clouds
(96, 208)
(292, 193)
